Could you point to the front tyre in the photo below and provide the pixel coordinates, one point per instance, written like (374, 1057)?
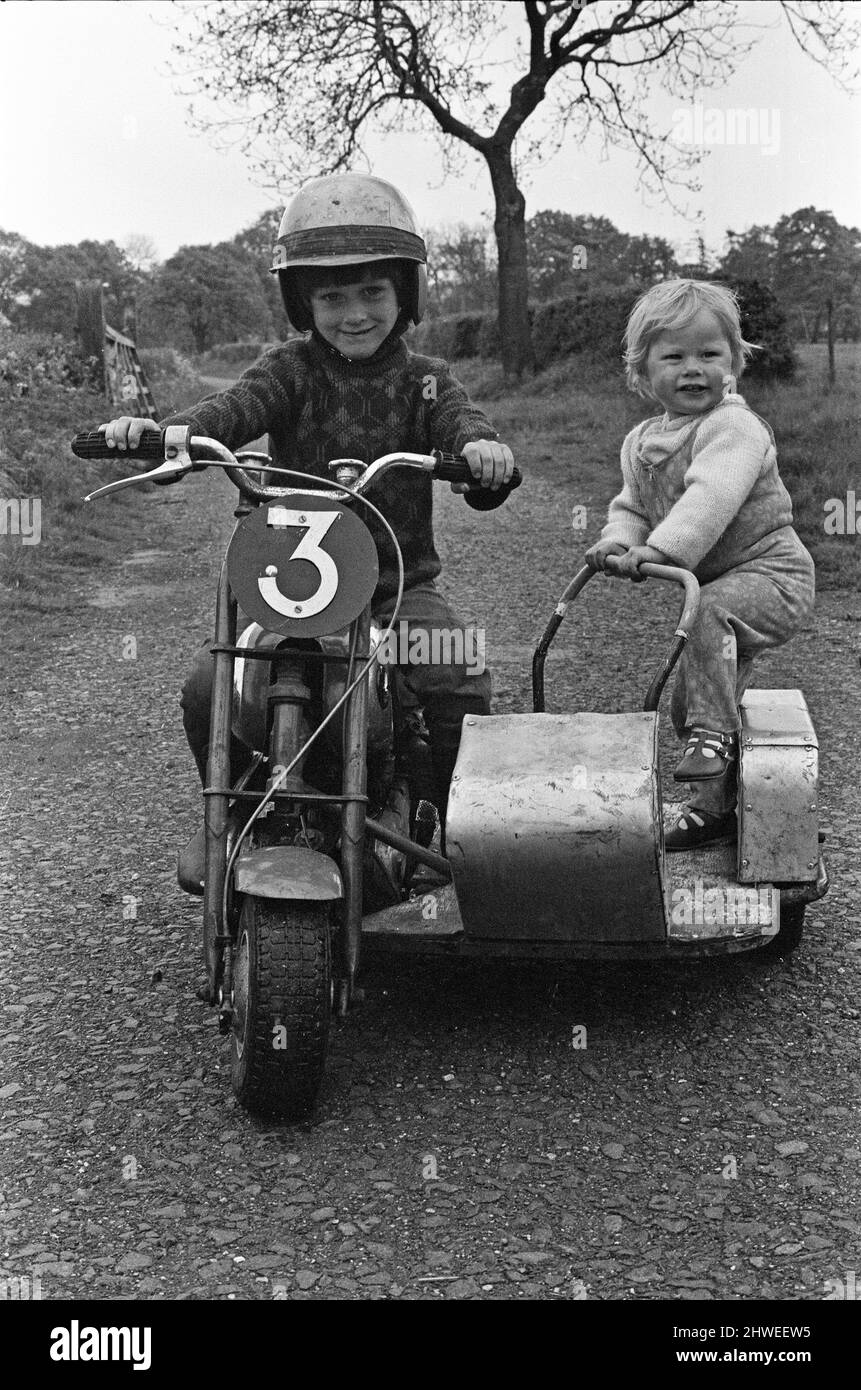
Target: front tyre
(282, 991)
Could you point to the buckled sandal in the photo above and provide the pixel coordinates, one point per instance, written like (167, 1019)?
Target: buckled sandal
(695, 828)
(708, 754)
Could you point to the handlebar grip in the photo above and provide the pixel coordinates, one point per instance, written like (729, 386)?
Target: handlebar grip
(453, 468)
(92, 445)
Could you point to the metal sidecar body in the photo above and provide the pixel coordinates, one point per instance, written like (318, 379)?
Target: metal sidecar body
(555, 834)
(550, 830)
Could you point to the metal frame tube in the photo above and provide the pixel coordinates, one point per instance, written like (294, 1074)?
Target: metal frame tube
(353, 814)
(672, 573)
(216, 803)
(407, 846)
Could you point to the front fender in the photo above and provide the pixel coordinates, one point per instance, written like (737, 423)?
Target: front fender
(288, 871)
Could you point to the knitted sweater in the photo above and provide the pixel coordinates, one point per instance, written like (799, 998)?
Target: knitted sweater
(316, 405)
(705, 492)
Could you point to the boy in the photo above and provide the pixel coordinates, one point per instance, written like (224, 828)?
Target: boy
(352, 270)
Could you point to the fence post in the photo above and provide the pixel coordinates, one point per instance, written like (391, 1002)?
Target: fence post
(91, 324)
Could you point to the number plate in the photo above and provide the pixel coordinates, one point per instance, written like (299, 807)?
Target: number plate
(302, 569)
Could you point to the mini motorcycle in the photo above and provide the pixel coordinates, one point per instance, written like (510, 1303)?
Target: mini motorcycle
(555, 824)
(332, 818)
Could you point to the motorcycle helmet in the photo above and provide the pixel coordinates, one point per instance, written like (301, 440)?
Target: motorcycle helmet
(343, 220)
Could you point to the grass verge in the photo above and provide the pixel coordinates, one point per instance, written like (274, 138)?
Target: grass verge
(43, 406)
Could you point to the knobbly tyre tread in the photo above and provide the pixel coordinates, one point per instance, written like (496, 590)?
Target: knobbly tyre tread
(289, 973)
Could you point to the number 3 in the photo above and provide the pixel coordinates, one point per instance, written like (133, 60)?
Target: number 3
(315, 525)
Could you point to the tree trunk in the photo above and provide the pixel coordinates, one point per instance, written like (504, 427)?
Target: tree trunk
(509, 225)
(829, 309)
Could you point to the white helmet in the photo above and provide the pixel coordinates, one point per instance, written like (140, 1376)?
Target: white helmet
(349, 219)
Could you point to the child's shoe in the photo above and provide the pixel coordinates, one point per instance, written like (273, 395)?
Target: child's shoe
(695, 828)
(708, 754)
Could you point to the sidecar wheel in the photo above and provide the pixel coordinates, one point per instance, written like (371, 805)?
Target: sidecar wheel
(282, 986)
(789, 933)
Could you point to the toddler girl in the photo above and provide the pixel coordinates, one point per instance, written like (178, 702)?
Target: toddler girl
(701, 490)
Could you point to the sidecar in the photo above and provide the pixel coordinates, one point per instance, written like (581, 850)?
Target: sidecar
(555, 834)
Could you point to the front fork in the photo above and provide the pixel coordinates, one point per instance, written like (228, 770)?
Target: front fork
(355, 759)
(217, 942)
(216, 939)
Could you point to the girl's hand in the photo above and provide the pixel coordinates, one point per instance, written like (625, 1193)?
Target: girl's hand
(628, 567)
(490, 463)
(125, 432)
(596, 555)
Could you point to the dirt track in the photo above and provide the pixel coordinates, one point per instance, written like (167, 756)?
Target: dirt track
(464, 1149)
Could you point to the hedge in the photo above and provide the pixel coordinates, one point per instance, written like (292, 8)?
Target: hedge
(595, 324)
(764, 322)
(581, 323)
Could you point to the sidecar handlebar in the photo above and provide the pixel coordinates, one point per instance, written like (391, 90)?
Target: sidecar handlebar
(674, 575)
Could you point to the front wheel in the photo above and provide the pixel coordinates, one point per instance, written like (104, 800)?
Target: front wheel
(282, 997)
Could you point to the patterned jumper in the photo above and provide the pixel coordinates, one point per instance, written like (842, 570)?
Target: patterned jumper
(316, 405)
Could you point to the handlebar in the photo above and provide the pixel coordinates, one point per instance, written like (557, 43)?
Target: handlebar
(178, 452)
(674, 575)
(93, 445)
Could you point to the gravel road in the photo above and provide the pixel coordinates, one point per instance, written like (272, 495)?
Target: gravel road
(704, 1145)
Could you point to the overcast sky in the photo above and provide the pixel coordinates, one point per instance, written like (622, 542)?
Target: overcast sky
(95, 142)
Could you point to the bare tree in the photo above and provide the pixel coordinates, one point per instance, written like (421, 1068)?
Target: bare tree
(312, 75)
(141, 251)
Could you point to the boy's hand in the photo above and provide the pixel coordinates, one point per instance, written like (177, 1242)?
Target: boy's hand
(596, 555)
(491, 464)
(629, 564)
(125, 432)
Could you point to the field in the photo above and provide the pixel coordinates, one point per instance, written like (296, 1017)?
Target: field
(41, 412)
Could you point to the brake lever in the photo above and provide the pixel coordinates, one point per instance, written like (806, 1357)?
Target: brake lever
(178, 463)
(172, 470)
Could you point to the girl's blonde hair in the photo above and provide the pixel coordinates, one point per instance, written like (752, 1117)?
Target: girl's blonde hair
(673, 304)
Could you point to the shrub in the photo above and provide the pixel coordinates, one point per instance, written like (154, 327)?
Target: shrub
(580, 323)
(30, 361)
(44, 400)
(594, 324)
(763, 321)
(589, 323)
(449, 336)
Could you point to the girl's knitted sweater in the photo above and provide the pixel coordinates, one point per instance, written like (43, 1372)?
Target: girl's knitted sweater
(317, 405)
(705, 492)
